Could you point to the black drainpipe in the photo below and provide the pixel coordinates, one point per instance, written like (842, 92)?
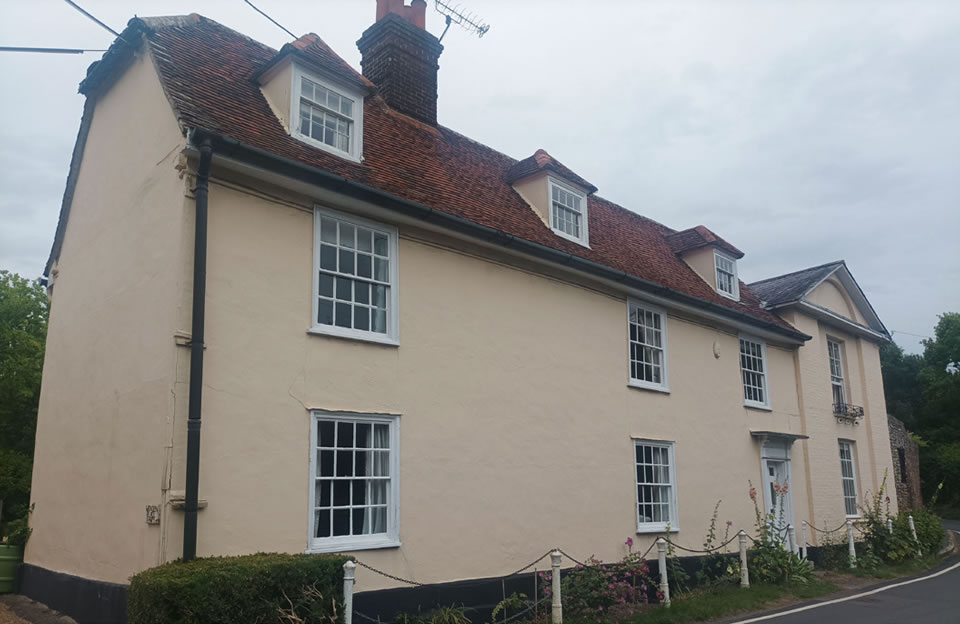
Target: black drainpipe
(196, 354)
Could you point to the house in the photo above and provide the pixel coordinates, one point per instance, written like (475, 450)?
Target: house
(401, 343)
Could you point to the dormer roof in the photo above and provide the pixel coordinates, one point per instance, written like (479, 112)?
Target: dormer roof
(540, 162)
(700, 236)
(314, 51)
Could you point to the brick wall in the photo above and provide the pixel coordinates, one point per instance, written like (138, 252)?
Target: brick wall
(401, 59)
(906, 465)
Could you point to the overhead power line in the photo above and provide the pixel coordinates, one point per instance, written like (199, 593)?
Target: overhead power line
(91, 17)
(275, 22)
(48, 50)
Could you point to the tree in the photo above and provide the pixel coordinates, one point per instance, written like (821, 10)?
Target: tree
(901, 383)
(23, 329)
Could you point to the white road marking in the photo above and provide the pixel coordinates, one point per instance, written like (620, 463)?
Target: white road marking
(854, 597)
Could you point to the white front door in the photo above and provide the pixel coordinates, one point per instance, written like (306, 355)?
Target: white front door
(777, 492)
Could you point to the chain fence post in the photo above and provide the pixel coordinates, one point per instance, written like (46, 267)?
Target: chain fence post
(557, 605)
(349, 573)
(913, 532)
(803, 539)
(662, 563)
(890, 525)
(850, 545)
(744, 572)
(792, 538)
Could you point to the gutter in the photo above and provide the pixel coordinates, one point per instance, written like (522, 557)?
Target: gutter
(268, 161)
(190, 506)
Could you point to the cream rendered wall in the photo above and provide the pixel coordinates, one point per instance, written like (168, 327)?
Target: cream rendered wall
(106, 401)
(534, 191)
(702, 261)
(832, 296)
(864, 388)
(516, 416)
(276, 90)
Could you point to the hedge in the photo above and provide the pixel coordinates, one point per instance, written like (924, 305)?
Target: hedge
(230, 590)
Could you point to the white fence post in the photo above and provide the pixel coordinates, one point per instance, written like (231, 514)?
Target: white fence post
(850, 546)
(890, 525)
(792, 538)
(555, 579)
(662, 562)
(744, 572)
(349, 572)
(913, 532)
(803, 539)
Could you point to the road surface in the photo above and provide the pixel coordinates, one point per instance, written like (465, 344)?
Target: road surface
(929, 600)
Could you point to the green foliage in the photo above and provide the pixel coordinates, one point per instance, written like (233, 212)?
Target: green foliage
(266, 588)
(439, 615)
(717, 568)
(513, 602)
(18, 531)
(924, 393)
(15, 471)
(23, 330)
(930, 531)
(770, 561)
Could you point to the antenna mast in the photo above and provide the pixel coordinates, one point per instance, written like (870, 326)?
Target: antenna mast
(454, 15)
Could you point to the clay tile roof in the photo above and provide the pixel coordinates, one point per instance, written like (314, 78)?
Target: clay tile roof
(792, 286)
(700, 236)
(208, 74)
(313, 50)
(542, 161)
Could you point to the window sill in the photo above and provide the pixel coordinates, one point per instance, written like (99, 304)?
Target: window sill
(306, 140)
(351, 334)
(640, 385)
(729, 296)
(647, 529)
(758, 406)
(572, 239)
(348, 546)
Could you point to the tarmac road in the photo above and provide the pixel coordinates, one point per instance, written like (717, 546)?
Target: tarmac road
(925, 600)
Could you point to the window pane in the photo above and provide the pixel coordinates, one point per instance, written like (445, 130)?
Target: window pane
(361, 318)
(347, 233)
(341, 522)
(322, 523)
(380, 244)
(325, 312)
(328, 230)
(346, 261)
(344, 289)
(381, 269)
(325, 429)
(344, 316)
(328, 258)
(364, 265)
(326, 285)
(361, 292)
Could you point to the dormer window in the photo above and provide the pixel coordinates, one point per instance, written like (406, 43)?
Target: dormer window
(327, 116)
(728, 284)
(568, 212)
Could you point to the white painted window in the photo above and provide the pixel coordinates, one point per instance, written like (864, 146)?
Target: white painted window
(353, 490)
(656, 486)
(648, 346)
(568, 212)
(354, 277)
(327, 116)
(753, 366)
(836, 373)
(728, 284)
(849, 479)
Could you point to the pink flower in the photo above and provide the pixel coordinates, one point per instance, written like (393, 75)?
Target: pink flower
(753, 493)
(629, 541)
(729, 523)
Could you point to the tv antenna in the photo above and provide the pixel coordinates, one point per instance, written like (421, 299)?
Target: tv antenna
(455, 15)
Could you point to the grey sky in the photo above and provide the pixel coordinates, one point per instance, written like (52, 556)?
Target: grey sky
(802, 131)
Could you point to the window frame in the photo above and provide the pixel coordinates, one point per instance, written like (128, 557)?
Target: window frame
(765, 404)
(657, 527)
(584, 238)
(831, 342)
(735, 294)
(355, 153)
(392, 336)
(390, 539)
(664, 385)
(850, 444)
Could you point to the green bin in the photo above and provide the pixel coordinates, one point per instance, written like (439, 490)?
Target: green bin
(10, 559)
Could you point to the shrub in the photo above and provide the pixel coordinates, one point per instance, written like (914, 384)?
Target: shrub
(717, 568)
(930, 532)
(264, 588)
(770, 561)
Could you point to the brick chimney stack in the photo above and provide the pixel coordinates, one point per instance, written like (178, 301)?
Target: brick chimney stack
(400, 57)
